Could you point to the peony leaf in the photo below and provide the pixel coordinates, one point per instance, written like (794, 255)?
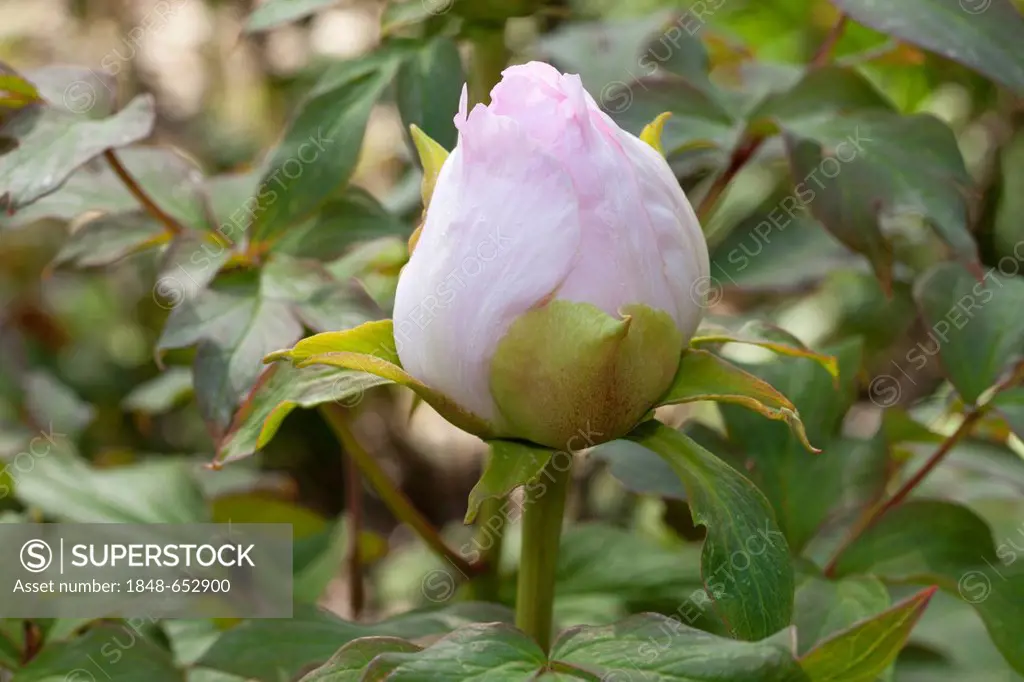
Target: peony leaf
(754, 602)
(865, 650)
(705, 376)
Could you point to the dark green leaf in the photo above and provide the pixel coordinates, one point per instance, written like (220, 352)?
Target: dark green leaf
(801, 486)
(821, 94)
(659, 649)
(854, 171)
(348, 664)
(825, 607)
(64, 486)
(863, 652)
(474, 651)
(428, 87)
(639, 469)
(52, 143)
(510, 465)
(271, 650)
(50, 402)
(242, 318)
(341, 222)
(109, 238)
(321, 145)
(974, 326)
(161, 393)
(777, 247)
(235, 325)
(746, 565)
(172, 181)
(982, 34)
(1010, 404)
(273, 13)
(115, 652)
(944, 544)
(596, 559)
(1009, 229)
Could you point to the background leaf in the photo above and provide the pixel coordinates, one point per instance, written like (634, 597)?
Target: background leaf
(746, 566)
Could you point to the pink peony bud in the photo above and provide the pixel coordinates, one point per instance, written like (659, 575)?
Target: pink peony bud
(552, 287)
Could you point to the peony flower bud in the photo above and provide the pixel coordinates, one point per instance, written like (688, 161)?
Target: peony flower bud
(551, 290)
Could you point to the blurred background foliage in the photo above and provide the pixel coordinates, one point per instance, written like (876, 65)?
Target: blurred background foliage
(107, 344)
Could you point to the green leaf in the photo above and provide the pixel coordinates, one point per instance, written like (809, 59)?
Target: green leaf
(428, 88)
(272, 650)
(348, 664)
(941, 543)
(704, 376)
(109, 238)
(471, 652)
(234, 324)
(115, 652)
(352, 217)
(510, 465)
(746, 565)
(51, 402)
(660, 649)
(975, 326)
(1010, 405)
(803, 487)
(825, 607)
(171, 180)
(52, 143)
(1009, 231)
(857, 170)
(864, 651)
(65, 487)
(281, 389)
(981, 34)
(599, 559)
(820, 94)
(321, 145)
(639, 469)
(161, 393)
(274, 13)
(776, 248)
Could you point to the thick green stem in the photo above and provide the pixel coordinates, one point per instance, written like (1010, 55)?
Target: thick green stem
(396, 502)
(542, 528)
(489, 538)
(488, 59)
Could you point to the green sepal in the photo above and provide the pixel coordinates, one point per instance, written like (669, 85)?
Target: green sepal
(568, 375)
(704, 376)
(767, 337)
(432, 157)
(370, 348)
